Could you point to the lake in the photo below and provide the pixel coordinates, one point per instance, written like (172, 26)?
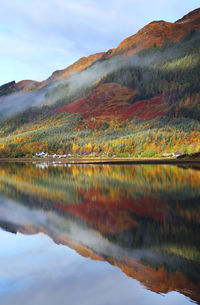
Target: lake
(99, 234)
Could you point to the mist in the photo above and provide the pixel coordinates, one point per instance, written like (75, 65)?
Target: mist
(75, 86)
(60, 228)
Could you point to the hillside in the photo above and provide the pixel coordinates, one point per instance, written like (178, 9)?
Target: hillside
(146, 91)
(157, 32)
(103, 102)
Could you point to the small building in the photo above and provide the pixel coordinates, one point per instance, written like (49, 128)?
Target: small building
(42, 154)
(176, 154)
(167, 155)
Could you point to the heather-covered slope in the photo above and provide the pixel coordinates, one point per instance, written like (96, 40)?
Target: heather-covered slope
(107, 101)
(111, 101)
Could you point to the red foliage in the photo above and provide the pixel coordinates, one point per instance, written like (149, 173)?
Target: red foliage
(147, 109)
(118, 214)
(104, 101)
(111, 100)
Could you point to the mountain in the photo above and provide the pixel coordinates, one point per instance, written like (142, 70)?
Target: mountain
(149, 82)
(28, 85)
(157, 32)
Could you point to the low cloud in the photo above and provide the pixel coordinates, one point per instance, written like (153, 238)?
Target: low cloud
(66, 88)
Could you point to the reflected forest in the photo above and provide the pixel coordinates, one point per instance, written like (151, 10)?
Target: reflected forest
(142, 219)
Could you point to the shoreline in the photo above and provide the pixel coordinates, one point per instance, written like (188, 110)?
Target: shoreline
(102, 160)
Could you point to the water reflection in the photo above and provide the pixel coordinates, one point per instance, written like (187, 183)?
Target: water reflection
(142, 219)
(42, 273)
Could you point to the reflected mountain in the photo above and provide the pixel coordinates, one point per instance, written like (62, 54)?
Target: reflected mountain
(143, 219)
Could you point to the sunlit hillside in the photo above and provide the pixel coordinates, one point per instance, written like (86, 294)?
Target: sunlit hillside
(138, 100)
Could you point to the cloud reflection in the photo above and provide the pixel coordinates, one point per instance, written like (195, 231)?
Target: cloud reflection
(45, 273)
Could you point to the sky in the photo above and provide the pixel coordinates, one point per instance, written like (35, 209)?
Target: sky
(38, 37)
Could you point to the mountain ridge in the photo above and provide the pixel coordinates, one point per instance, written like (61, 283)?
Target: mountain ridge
(129, 45)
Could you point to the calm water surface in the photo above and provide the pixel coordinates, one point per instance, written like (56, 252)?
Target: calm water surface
(99, 234)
